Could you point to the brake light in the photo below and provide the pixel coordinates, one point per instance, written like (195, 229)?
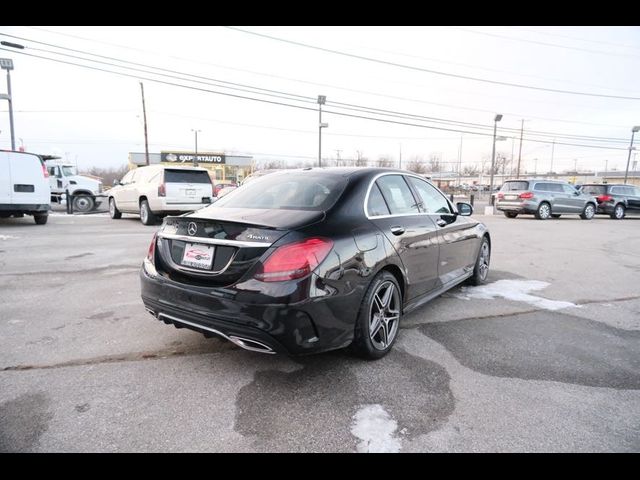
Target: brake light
(294, 260)
(162, 190)
(526, 195)
(151, 253)
(604, 198)
(45, 172)
(500, 196)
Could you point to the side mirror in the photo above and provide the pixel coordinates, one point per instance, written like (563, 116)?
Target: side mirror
(577, 192)
(464, 209)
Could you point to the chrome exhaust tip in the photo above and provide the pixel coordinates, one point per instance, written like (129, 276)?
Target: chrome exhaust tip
(251, 345)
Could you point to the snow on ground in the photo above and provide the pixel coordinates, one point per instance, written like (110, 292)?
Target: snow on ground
(7, 237)
(375, 427)
(516, 290)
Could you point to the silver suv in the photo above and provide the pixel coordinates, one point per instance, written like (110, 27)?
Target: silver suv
(544, 199)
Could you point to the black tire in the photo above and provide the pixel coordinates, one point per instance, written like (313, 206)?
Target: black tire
(41, 219)
(589, 212)
(555, 215)
(544, 211)
(147, 217)
(619, 212)
(372, 347)
(481, 269)
(83, 203)
(4, 215)
(510, 214)
(113, 210)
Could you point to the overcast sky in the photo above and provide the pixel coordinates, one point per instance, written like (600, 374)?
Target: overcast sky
(94, 118)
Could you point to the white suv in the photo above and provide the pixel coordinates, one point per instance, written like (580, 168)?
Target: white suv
(159, 190)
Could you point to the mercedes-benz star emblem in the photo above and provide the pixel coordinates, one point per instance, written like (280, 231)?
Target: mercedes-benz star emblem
(192, 228)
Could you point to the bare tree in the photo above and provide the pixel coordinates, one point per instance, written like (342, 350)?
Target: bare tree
(417, 165)
(470, 170)
(361, 160)
(385, 161)
(108, 175)
(270, 165)
(435, 162)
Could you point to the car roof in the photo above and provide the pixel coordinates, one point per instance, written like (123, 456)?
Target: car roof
(171, 167)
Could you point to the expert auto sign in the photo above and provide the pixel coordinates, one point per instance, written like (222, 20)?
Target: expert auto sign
(187, 157)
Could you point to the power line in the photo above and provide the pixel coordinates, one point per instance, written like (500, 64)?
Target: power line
(600, 42)
(278, 103)
(507, 37)
(435, 72)
(282, 94)
(445, 105)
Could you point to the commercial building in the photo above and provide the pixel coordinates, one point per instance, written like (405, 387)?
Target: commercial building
(220, 165)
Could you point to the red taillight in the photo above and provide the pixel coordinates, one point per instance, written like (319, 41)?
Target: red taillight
(45, 172)
(604, 198)
(162, 190)
(294, 260)
(151, 254)
(500, 196)
(526, 195)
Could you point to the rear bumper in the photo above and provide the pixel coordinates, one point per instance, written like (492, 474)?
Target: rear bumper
(289, 328)
(517, 207)
(606, 208)
(25, 207)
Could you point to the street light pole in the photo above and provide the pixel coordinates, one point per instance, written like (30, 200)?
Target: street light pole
(321, 101)
(553, 146)
(195, 157)
(493, 153)
(520, 149)
(633, 132)
(7, 64)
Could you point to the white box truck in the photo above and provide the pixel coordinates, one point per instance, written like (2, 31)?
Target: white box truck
(24, 186)
(83, 190)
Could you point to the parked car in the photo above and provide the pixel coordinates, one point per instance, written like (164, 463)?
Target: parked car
(220, 184)
(615, 200)
(24, 186)
(223, 191)
(158, 190)
(313, 260)
(544, 199)
(258, 174)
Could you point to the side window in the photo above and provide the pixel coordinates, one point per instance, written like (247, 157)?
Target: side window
(52, 171)
(397, 194)
(541, 187)
(616, 191)
(568, 189)
(127, 178)
(636, 191)
(432, 200)
(630, 190)
(376, 204)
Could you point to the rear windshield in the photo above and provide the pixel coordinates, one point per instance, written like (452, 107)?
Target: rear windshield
(594, 189)
(186, 176)
(510, 186)
(293, 191)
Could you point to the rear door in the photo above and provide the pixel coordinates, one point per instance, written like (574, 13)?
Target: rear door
(575, 203)
(185, 186)
(29, 185)
(5, 179)
(393, 208)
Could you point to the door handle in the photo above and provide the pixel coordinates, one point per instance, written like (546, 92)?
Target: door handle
(397, 230)
(441, 223)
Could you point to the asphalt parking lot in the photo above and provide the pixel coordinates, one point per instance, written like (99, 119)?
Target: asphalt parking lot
(545, 358)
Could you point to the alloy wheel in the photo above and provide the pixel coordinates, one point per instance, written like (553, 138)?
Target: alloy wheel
(384, 315)
(485, 256)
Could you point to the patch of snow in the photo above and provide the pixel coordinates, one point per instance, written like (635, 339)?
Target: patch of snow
(8, 237)
(375, 427)
(516, 290)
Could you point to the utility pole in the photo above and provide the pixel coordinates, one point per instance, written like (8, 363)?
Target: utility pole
(7, 64)
(553, 146)
(322, 99)
(520, 149)
(575, 165)
(626, 172)
(195, 157)
(513, 141)
(606, 165)
(146, 140)
(338, 157)
(460, 162)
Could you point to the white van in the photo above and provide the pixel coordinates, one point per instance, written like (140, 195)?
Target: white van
(24, 186)
(158, 190)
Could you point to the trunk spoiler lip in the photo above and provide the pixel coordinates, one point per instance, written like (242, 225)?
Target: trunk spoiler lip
(253, 223)
(214, 241)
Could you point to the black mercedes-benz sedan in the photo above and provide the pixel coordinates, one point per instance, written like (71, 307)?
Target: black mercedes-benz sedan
(311, 260)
